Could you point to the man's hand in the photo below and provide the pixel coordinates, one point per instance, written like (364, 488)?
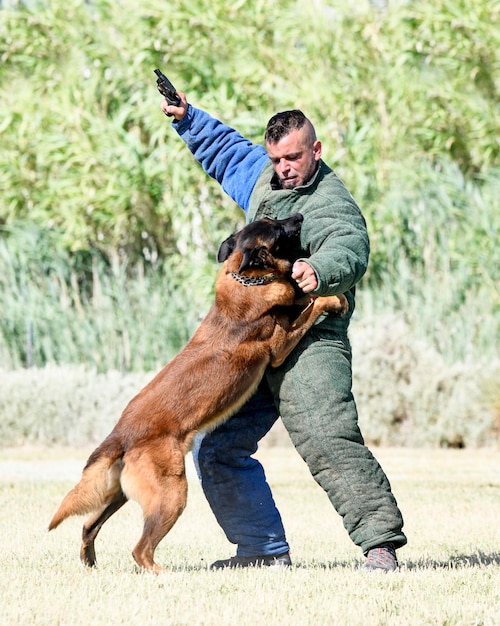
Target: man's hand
(304, 276)
(178, 112)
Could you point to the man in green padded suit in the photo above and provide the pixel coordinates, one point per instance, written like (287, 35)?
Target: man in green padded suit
(311, 391)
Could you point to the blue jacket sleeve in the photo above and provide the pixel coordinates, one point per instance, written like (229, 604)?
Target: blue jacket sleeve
(224, 154)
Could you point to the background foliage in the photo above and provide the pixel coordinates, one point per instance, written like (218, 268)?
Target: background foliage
(108, 228)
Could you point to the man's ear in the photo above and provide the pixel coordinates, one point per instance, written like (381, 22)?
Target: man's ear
(317, 150)
(226, 248)
(255, 257)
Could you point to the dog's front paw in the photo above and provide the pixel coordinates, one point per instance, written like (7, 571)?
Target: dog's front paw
(333, 304)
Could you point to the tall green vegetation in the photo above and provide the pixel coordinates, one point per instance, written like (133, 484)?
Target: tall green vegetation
(109, 228)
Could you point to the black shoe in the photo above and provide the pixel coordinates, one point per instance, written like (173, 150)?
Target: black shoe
(275, 561)
(381, 558)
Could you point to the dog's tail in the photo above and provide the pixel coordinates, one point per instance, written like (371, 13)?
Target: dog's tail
(100, 480)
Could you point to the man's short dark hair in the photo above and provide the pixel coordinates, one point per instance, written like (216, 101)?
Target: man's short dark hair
(282, 124)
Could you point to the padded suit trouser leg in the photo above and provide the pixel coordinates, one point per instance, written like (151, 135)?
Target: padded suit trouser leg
(313, 390)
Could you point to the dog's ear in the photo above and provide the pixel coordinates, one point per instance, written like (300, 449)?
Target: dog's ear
(254, 257)
(226, 248)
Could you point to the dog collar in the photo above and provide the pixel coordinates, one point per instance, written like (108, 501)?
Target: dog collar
(252, 281)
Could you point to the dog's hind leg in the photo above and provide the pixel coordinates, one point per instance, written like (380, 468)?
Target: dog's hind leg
(93, 525)
(156, 479)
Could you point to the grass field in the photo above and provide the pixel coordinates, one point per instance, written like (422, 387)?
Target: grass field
(450, 570)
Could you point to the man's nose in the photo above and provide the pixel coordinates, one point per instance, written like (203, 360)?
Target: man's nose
(284, 166)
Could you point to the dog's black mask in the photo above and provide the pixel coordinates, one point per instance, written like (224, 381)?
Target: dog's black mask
(262, 238)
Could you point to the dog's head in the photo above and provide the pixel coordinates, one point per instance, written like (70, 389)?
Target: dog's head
(260, 243)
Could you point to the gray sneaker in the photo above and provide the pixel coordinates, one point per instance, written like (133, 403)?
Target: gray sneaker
(274, 561)
(381, 558)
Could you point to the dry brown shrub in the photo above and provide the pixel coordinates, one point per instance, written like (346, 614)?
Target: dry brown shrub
(406, 395)
(64, 405)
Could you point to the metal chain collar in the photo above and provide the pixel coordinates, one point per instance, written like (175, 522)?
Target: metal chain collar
(252, 281)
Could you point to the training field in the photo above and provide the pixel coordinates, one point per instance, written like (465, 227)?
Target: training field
(450, 570)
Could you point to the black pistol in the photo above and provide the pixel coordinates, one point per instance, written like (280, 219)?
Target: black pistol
(167, 90)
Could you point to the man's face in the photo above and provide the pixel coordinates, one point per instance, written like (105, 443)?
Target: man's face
(295, 157)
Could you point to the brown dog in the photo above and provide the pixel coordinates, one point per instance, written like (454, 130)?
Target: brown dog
(247, 329)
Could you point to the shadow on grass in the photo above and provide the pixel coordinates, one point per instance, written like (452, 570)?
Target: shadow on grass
(478, 559)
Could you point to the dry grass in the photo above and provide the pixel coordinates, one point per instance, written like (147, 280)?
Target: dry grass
(449, 570)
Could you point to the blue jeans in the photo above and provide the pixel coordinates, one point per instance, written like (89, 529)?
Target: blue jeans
(312, 393)
(234, 483)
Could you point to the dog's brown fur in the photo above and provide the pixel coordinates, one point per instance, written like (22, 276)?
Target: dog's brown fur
(246, 330)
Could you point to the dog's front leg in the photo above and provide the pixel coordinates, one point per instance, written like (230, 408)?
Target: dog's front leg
(285, 339)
